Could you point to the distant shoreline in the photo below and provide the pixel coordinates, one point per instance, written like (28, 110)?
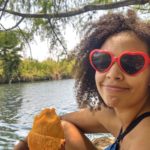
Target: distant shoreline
(35, 79)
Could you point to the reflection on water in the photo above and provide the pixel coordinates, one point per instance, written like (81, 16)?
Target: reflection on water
(10, 102)
(20, 102)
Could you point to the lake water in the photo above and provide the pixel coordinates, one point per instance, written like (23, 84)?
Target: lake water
(20, 102)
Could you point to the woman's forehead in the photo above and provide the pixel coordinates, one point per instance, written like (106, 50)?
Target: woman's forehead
(124, 41)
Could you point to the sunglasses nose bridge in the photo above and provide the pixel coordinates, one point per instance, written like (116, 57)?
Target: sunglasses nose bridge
(115, 59)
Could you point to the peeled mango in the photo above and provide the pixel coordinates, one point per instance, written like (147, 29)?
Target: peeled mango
(47, 132)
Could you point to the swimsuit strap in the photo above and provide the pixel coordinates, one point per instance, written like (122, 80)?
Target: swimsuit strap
(131, 126)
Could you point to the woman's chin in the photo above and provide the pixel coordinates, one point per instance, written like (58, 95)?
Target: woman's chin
(112, 102)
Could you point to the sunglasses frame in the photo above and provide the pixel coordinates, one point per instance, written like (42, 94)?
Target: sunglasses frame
(118, 58)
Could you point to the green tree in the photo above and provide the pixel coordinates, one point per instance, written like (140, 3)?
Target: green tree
(10, 46)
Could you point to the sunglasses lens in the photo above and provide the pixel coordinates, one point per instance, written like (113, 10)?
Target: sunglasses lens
(101, 61)
(132, 63)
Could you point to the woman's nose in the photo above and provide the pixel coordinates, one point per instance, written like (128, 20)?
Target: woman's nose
(115, 72)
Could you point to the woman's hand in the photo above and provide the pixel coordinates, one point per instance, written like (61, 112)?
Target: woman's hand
(22, 145)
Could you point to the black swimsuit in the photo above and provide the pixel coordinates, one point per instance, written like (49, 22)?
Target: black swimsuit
(115, 145)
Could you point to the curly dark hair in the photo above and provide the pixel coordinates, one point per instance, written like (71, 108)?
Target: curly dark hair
(96, 34)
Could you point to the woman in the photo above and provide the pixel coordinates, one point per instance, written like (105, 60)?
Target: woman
(112, 85)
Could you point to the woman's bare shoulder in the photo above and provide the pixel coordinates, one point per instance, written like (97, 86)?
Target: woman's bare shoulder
(140, 135)
(141, 141)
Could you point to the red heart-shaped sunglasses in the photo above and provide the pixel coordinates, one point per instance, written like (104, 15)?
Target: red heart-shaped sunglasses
(129, 62)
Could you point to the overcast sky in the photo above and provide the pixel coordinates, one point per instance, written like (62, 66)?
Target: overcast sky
(40, 48)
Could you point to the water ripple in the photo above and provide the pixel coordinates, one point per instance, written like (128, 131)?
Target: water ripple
(20, 102)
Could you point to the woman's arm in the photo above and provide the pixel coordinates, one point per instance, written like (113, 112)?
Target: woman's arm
(75, 139)
(91, 121)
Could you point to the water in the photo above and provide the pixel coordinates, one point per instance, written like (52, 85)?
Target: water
(20, 102)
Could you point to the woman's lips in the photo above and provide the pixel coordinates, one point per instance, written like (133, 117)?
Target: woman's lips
(112, 88)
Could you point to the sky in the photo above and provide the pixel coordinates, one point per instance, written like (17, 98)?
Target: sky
(40, 48)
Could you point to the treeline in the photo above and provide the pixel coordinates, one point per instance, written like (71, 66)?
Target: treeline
(33, 70)
(14, 68)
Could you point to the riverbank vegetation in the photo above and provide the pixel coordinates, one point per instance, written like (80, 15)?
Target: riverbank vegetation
(33, 70)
